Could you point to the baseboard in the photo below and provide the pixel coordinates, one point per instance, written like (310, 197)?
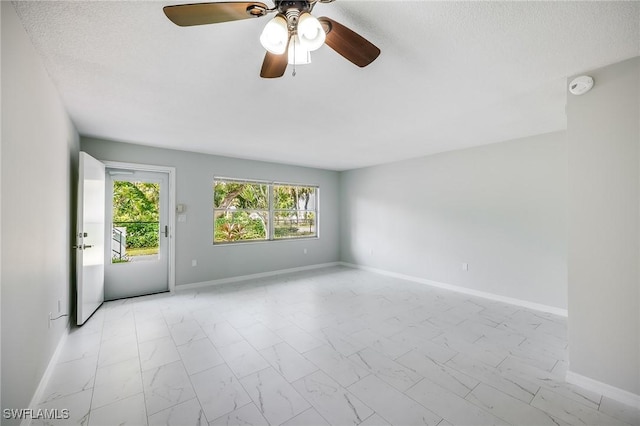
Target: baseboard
(486, 295)
(604, 389)
(254, 276)
(37, 395)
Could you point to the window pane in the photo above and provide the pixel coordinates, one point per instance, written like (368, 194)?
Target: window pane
(136, 228)
(294, 224)
(294, 197)
(240, 195)
(240, 225)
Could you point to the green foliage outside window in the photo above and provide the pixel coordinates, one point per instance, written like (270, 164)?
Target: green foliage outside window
(136, 208)
(242, 211)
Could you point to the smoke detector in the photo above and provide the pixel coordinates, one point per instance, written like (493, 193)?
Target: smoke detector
(581, 85)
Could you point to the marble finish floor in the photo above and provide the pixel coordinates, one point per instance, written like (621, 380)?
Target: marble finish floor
(334, 346)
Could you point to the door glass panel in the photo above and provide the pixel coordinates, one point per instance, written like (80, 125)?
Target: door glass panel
(136, 221)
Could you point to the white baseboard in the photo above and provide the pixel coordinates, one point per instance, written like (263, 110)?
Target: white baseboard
(486, 295)
(604, 389)
(38, 394)
(254, 276)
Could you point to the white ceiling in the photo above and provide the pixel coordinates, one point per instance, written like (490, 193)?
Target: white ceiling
(450, 75)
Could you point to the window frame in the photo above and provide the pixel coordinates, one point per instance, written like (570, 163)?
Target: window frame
(271, 210)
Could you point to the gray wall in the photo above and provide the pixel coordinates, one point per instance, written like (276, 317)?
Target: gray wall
(604, 230)
(500, 208)
(194, 174)
(38, 145)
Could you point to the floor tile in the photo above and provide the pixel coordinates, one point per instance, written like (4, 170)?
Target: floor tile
(155, 353)
(339, 341)
(126, 412)
(510, 409)
(411, 337)
(438, 373)
(510, 384)
(288, 362)
(259, 336)
(243, 359)
(571, 411)
(70, 378)
(387, 347)
(188, 413)
(486, 356)
(275, 398)
(248, 415)
(298, 339)
(116, 381)
(186, 331)
(166, 386)
(273, 321)
(337, 366)
(78, 345)
(118, 349)
(450, 406)
(219, 392)
(151, 330)
(398, 376)
(77, 404)
(542, 378)
(333, 402)
(309, 327)
(120, 328)
(376, 420)
(199, 355)
(309, 417)
(222, 334)
(392, 405)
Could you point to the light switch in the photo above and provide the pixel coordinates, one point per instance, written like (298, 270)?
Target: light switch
(182, 218)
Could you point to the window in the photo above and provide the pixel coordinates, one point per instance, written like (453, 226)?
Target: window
(263, 211)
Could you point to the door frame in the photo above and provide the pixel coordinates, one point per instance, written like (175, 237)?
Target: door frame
(171, 220)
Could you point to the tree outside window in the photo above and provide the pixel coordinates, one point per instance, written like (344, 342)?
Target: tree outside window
(259, 211)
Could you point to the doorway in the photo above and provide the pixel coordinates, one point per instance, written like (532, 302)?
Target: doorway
(138, 232)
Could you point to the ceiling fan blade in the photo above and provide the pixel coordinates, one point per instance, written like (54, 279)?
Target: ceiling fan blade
(273, 65)
(348, 43)
(186, 15)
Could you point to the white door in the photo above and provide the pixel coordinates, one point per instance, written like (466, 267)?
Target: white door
(90, 237)
(137, 231)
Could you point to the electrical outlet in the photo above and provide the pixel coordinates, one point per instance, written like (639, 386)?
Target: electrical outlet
(59, 305)
(305, 251)
(194, 262)
(465, 266)
(50, 316)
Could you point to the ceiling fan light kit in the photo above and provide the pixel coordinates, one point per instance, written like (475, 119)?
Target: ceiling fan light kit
(289, 37)
(275, 35)
(298, 54)
(310, 32)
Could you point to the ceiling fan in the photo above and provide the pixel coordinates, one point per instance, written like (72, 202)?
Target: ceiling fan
(289, 37)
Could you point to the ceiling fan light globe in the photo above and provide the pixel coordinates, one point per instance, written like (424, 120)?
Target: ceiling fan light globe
(275, 35)
(310, 31)
(298, 55)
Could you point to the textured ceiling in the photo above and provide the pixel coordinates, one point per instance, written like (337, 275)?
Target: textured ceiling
(451, 75)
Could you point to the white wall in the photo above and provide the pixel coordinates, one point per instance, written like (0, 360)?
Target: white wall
(38, 144)
(500, 208)
(194, 189)
(604, 228)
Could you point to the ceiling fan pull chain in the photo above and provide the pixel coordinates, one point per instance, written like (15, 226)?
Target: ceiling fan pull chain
(293, 74)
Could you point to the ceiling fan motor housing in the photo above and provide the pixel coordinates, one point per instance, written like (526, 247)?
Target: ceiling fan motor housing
(284, 5)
